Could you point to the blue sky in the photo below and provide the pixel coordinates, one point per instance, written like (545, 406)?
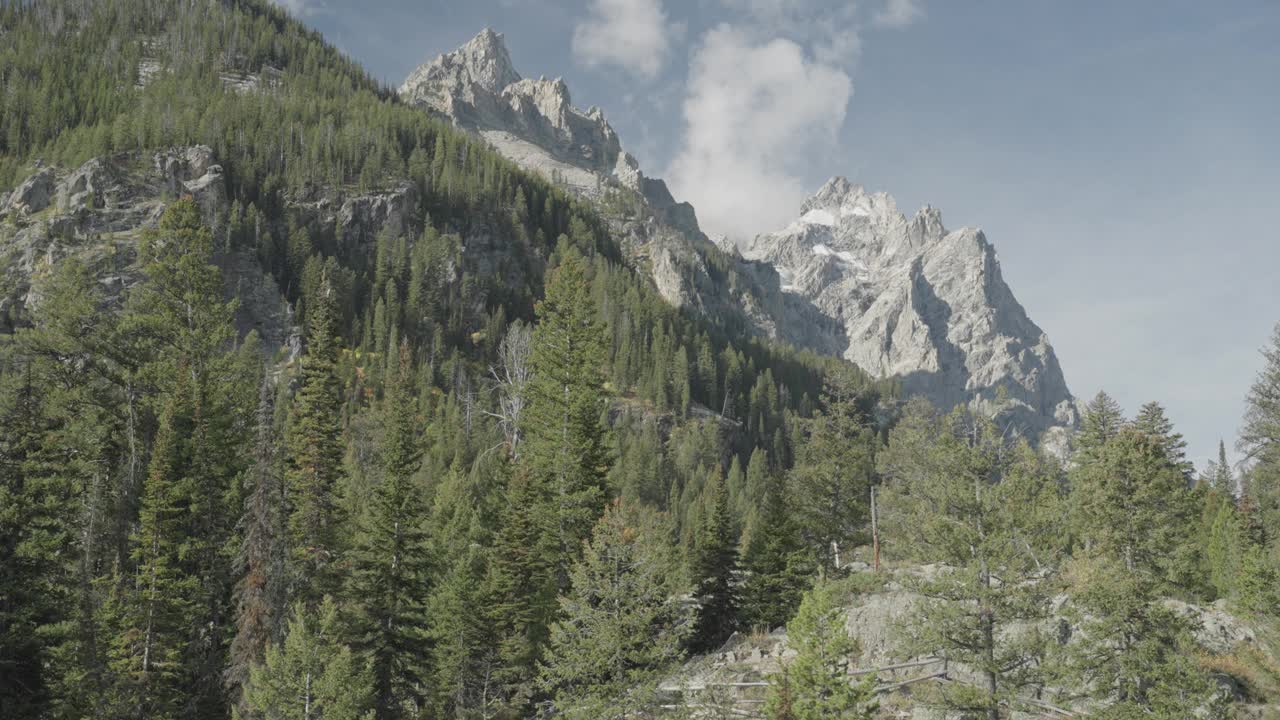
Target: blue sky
(1123, 157)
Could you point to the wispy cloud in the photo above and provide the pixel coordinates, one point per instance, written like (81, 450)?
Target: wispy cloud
(633, 35)
(899, 13)
(754, 112)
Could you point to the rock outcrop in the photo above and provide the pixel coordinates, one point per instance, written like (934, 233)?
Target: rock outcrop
(733, 677)
(922, 303)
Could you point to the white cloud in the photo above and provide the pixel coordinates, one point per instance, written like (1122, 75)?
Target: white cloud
(829, 27)
(899, 13)
(755, 113)
(634, 35)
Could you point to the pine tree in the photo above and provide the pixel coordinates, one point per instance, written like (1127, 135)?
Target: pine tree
(315, 461)
(1217, 475)
(950, 482)
(713, 567)
(622, 622)
(1260, 443)
(565, 447)
(1133, 505)
(833, 473)
(776, 564)
(152, 629)
(524, 586)
(1152, 420)
(1132, 652)
(815, 684)
(1102, 420)
(1226, 545)
(389, 582)
(465, 656)
(310, 675)
(260, 591)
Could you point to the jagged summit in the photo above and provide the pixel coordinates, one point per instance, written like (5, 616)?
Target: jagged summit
(921, 302)
(531, 121)
(484, 62)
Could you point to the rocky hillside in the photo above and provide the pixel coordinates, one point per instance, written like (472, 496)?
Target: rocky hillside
(879, 614)
(852, 277)
(920, 302)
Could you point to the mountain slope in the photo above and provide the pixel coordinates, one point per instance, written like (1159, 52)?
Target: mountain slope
(534, 123)
(853, 277)
(922, 303)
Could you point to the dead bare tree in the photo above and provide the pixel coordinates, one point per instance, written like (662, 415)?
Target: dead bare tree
(511, 376)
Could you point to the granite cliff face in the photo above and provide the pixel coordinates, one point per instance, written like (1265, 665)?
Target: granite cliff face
(920, 302)
(852, 277)
(534, 123)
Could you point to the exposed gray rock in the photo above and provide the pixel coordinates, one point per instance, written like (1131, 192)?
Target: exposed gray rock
(210, 192)
(86, 187)
(532, 121)
(180, 165)
(922, 303)
(33, 194)
(362, 217)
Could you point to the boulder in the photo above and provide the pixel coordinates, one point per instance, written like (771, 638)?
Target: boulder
(33, 194)
(179, 165)
(86, 187)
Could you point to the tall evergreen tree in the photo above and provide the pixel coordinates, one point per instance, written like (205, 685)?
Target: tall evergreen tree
(622, 622)
(390, 577)
(1260, 443)
(776, 564)
(315, 459)
(834, 469)
(950, 482)
(153, 610)
(1151, 419)
(1134, 505)
(262, 563)
(565, 448)
(713, 567)
(1132, 652)
(1102, 421)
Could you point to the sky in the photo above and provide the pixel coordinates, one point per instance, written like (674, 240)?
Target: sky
(1122, 157)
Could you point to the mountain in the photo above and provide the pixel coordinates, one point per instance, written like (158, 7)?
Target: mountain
(852, 277)
(534, 124)
(920, 302)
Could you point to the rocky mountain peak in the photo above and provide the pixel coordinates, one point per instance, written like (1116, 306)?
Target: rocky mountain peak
(920, 302)
(486, 60)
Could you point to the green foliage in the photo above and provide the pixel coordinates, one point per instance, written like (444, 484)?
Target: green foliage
(565, 447)
(315, 460)
(390, 567)
(623, 621)
(815, 684)
(777, 565)
(1133, 652)
(154, 529)
(310, 675)
(1134, 505)
(951, 481)
(834, 470)
(713, 565)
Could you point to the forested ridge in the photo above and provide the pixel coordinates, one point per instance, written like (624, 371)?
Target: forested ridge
(501, 477)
